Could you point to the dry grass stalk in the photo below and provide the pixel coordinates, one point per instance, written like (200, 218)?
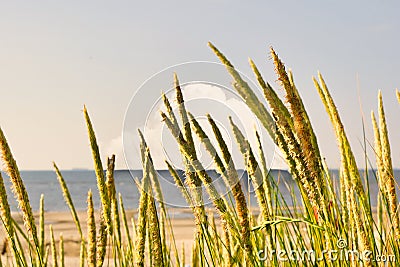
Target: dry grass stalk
(352, 178)
(62, 252)
(98, 166)
(343, 200)
(179, 183)
(142, 217)
(53, 247)
(91, 232)
(46, 256)
(157, 192)
(187, 132)
(193, 180)
(343, 142)
(68, 200)
(201, 173)
(210, 148)
(155, 233)
(101, 243)
(382, 194)
(41, 225)
(253, 169)
(247, 94)
(387, 174)
(266, 182)
(195, 252)
(287, 139)
(284, 126)
(304, 133)
(6, 211)
(20, 192)
(381, 222)
(183, 255)
(226, 246)
(171, 114)
(111, 193)
(378, 150)
(8, 224)
(125, 223)
(82, 254)
(204, 177)
(240, 199)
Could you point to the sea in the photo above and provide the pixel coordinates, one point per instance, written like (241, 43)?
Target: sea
(79, 182)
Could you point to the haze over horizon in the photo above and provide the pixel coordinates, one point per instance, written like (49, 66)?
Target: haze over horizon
(57, 56)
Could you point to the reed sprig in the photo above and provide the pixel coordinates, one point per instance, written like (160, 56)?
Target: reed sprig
(20, 193)
(68, 200)
(98, 166)
(91, 232)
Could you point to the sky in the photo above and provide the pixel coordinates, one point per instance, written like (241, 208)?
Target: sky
(56, 56)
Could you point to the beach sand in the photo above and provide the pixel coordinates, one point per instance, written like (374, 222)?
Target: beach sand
(62, 222)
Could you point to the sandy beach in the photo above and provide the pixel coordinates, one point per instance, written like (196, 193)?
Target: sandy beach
(63, 224)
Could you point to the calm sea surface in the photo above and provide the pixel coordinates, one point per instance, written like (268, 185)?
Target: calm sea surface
(80, 181)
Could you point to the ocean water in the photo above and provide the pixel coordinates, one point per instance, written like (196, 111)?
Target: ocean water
(80, 181)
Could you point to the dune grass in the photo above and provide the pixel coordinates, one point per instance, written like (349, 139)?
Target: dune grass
(327, 226)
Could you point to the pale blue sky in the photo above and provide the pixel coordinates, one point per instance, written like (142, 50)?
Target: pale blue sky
(56, 56)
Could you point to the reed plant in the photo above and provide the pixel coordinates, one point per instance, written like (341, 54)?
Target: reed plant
(329, 215)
